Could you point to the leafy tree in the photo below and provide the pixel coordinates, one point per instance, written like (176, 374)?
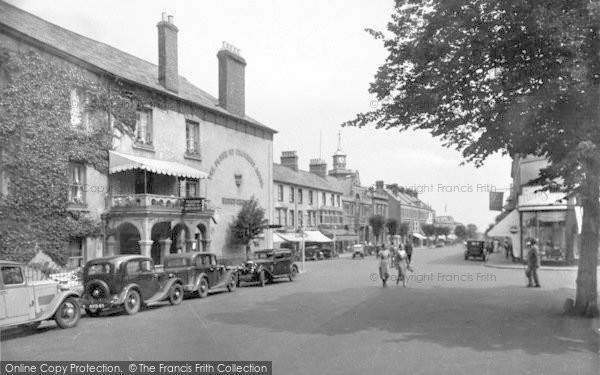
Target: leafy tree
(460, 231)
(392, 226)
(403, 229)
(249, 224)
(471, 231)
(515, 77)
(377, 223)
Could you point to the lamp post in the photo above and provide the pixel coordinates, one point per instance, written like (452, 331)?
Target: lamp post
(302, 247)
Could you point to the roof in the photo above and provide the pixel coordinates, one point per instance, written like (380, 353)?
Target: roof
(107, 58)
(121, 162)
(304, 178)
(189, 255)
(9, 262)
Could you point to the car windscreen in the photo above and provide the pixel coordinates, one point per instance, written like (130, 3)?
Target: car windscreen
(176, 262)
(99, 269)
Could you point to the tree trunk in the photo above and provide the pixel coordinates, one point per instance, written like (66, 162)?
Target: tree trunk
(586, 300)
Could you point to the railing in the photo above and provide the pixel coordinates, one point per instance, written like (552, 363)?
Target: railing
(67, 276)
(145, 200)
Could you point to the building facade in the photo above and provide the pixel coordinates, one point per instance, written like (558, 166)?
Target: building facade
(178, 180)
(406, 207)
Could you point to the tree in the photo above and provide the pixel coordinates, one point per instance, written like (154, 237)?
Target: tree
(392, 226)
(515, 77)
(429, 230)
(471, 231)
(460, 231)
(403, 229)
(249, 224)
(377, 223)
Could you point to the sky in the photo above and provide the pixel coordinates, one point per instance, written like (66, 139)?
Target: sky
(309, 66)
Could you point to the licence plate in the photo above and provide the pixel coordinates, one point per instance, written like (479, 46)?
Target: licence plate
(96, 306)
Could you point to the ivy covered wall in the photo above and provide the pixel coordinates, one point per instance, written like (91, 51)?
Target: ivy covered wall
(38, 141)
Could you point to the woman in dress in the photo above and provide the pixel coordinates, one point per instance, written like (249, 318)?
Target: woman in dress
(384, 265)
(401, 266)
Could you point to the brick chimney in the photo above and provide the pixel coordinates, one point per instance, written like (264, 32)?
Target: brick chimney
(168, 75)
(379, 185)
(289, 159)
(232, 77)
(318, 167)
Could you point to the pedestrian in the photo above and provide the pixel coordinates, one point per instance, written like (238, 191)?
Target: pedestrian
(506, 246)
(533, 263)
(409, 249)
(401, 265)
(384, 266)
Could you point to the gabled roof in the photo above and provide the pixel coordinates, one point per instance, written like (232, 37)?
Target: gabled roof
(303, 178)
(106, 58)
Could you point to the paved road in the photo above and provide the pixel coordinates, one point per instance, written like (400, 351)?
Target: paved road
(455, 317)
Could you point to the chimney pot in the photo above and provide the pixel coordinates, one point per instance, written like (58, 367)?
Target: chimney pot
(170, 18)
(290, 159)
(164, 16)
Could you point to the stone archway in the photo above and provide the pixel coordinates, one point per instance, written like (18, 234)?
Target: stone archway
(180, 236)
(128, 237)
(201, 237)
(160, 232)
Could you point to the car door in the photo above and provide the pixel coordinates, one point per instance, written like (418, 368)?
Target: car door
(280, 264)
(16, 294)
(213, 270)
(141, 272)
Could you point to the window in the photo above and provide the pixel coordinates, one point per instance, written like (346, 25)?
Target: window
(324, 199)
(310, 197)
(291, 218)
(280, 217)
(12, 275)
(291, 194)
(77, 107)
(143, 127)
(338, 201)
(191, 188)
(300, 219)
(284, 217)
(76, 183)
(192, 137)
(332, 200)
(300, 196)
(280, 193)
(75, 252)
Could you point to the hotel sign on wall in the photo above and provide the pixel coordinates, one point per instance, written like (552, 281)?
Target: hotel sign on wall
(532, 196)
(235, 152)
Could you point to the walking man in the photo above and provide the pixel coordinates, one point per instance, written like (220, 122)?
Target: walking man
(409, 249)
(533, 263)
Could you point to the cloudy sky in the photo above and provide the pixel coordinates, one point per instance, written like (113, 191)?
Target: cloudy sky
(309, 67)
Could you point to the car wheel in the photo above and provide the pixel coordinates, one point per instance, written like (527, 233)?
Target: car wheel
(176, 294)
(261, 278)
(203, 288)
(293, 273)
(232, 284)
(68, 313)
(133, 302)
(92, 312)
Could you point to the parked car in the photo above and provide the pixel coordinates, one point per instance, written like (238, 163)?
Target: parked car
(476, 249)
(313, 253)
(129, 282)
(440, 243)
(329, 253)
(358, 250)
(200, 272)
(28, 303)
(267, 266)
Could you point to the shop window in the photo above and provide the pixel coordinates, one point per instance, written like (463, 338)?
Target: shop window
(192, 136)
(76, 183)
(143, 127)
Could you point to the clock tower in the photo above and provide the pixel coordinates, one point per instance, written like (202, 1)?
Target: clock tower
(339, 161)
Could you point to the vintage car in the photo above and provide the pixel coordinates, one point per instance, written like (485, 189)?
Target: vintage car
(267, 266)
(358, 250)
(313, 253)
(329, 253)
(28, 303)
(200, 272)
(476, 249)
(128, 281)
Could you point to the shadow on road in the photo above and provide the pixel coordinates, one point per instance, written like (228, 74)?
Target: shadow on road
(501, 319)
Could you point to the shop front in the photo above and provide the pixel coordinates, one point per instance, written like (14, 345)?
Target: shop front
(548, 218)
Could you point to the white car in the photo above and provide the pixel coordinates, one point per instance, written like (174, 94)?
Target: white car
(28, 303)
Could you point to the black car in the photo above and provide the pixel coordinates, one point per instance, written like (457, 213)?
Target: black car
(476, 249)
(267, 266)
(200, 272)
(329, 253)
(313, 253)
(126, 281)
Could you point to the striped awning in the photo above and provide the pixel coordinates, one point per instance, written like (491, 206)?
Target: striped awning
(118, 162)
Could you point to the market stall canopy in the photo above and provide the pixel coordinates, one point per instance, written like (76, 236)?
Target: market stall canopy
(507, 226)
(118, 162)
(290, 237)
(419, 236)
(340, 234)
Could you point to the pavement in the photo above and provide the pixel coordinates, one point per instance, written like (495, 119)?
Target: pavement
(499, 260)
(454, 317)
